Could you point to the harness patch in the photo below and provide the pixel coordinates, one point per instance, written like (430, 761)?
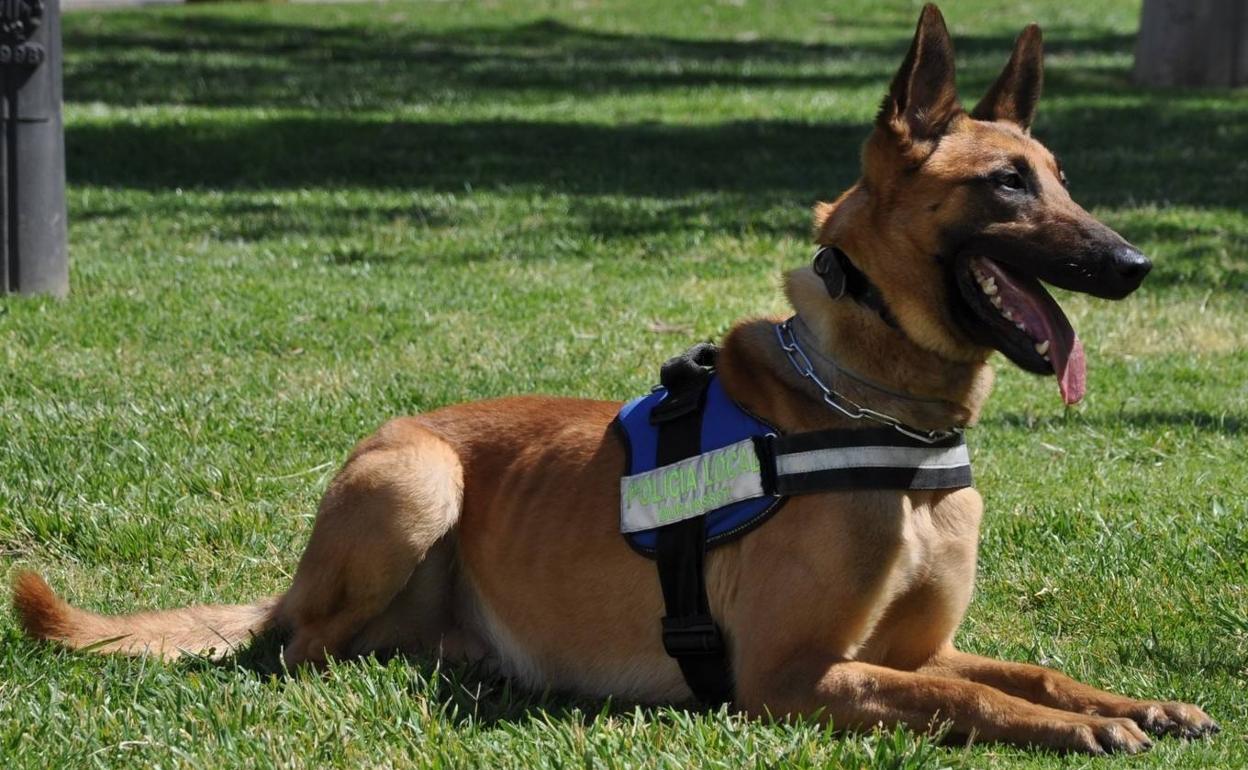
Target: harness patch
(692, 487)
(726, 487)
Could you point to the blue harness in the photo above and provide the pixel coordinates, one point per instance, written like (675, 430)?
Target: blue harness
(724, 423)
(703, 471)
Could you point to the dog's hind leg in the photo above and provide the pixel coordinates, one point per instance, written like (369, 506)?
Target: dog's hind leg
(420, 620)
(394, 500)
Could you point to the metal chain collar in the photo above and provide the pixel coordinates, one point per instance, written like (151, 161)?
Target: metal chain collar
(802, 363)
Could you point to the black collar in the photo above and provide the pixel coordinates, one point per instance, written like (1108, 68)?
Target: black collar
(841, 277)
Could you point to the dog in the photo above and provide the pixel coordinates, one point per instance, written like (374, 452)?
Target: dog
(487, 531)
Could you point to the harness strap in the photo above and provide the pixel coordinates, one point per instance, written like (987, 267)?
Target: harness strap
(690, 634)
(779, 466)
(873, 458)
(675, 500)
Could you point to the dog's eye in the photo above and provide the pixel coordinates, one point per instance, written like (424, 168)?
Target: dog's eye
(1010, 180)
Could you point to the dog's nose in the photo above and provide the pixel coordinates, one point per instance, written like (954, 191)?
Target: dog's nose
(1131, 265)
(1123, 271)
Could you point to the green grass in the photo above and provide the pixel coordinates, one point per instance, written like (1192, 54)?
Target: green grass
(290, 223)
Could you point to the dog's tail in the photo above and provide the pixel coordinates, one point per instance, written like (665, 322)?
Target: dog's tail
(212, 631)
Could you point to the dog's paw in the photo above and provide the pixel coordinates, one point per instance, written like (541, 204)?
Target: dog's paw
(1172, 718)
(1105, 735)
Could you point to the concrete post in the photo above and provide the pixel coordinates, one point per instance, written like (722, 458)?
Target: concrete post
(33, 251)
(1192, 43)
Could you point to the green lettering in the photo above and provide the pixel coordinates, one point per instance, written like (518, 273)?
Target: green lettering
(671, 483)
(689, 481)
(751, 457)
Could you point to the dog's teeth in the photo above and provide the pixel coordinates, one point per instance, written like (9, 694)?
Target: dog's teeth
(1005, 311)
(989, 287)
(1019, 326)
(1042, 347)
(1046, 358)
(995, 300)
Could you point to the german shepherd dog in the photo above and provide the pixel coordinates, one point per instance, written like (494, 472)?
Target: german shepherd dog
(487, 532)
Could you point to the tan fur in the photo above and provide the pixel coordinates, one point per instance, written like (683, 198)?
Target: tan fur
(211, 630)
(488, 531)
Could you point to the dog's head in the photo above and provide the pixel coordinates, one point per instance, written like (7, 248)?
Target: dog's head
(968, 213)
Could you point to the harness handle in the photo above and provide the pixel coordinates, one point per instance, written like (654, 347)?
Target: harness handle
(685, 377)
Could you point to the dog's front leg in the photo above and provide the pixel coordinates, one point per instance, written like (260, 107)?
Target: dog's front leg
(854, 695)
(1050, 688)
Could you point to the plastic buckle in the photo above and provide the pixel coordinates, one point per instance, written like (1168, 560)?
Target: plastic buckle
(692, 635)
(827, 266)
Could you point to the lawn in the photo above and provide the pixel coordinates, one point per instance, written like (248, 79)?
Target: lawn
(291, 222)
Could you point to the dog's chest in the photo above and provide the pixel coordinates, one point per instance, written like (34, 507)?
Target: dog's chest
(926, 576)
(936, 533)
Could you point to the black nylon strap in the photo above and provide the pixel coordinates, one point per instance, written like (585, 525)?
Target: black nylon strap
(873, 478)
(690, 634)
(862, 477)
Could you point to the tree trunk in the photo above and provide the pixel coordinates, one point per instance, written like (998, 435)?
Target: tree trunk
(1192, 43)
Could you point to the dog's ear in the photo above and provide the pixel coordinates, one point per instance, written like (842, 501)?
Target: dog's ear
(922, 99)
(1013, 97)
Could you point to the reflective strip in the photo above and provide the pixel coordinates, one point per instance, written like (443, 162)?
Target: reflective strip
(692, 487)
(924, 458)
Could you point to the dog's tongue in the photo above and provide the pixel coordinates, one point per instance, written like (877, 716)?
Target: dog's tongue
(1072, 370)
(1041, 318)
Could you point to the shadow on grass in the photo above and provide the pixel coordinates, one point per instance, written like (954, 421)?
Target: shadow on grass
(1225, 424)
(738, 174)
(646, 159)
(233, 62)
(465, 692)
(1121, 146)
(1156, 147)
